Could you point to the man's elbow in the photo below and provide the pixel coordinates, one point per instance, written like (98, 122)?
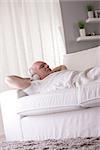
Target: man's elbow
(8, 80)
(17, 82)
(11, 80)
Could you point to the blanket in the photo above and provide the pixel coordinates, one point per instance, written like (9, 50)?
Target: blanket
(53, 82)
(66, 79)
(70, 78)
(90, 143)
(91, 75)
(88, 84)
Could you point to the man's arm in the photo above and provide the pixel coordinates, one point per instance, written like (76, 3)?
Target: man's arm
(59, 68)
(17, 82)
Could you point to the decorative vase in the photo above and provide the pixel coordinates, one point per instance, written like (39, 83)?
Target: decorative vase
(82, 32)
(90, 14)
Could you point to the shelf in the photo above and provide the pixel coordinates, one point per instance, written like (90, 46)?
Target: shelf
(93, 20)
(88, 38)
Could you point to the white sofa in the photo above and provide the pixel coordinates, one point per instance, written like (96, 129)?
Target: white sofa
(19, 127)
(83, 59)
(11, 120)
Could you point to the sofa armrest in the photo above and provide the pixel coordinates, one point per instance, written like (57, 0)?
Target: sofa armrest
(11, 119)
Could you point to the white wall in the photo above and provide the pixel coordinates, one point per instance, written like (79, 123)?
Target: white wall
(72, 12)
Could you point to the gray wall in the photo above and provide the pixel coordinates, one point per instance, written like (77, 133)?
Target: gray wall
(72, 12)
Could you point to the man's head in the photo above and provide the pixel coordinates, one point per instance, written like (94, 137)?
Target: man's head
(41, 68)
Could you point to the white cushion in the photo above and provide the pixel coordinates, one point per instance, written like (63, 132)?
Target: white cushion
(38, 104)
(83, 59)
(89, 95)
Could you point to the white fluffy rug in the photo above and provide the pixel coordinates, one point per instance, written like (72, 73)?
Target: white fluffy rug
(65, 144)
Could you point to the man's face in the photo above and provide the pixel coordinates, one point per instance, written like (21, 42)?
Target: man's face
(42, 69)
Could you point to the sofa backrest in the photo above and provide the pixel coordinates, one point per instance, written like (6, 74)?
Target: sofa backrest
(83, 59)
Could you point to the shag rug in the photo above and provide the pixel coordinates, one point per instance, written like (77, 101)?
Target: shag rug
(65, 144)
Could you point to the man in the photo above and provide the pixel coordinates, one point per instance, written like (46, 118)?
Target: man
(40, 68)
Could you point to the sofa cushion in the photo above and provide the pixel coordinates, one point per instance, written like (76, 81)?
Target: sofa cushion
(38, 104)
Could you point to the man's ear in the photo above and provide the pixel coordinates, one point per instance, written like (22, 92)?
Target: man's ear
(31, 72)
(33, 75)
